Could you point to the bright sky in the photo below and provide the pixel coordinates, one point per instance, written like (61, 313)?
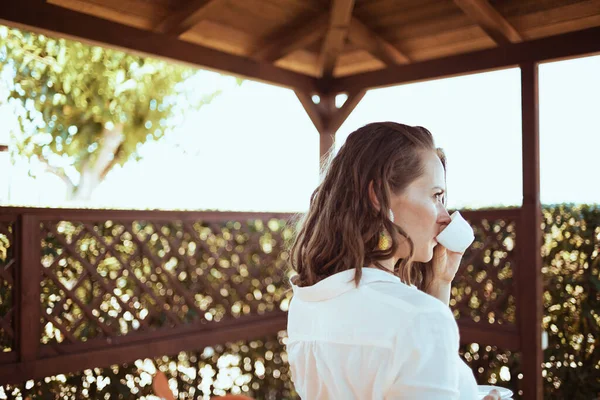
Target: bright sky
(254, 148)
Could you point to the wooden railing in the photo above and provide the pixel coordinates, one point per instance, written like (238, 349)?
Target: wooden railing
(485, 292)
(92, 288)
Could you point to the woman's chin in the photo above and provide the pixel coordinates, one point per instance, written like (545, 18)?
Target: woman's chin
(424, 258)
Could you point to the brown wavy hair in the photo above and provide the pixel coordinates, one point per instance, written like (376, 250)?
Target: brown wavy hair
(341, 229)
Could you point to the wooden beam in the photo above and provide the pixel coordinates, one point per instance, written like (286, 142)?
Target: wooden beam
(327, 118)
(529, 271)
(584, 42)
(57, 21)
(310, 30)
(319, 114)
(29, 275)
(504, 336)
(340, 115)
(490, 20)
(335, 40)
(216, 333)
(285, 42)
(361, 36)
(508, 213)
(186, 17)
(92, 215)
(3, 147)
(313, 110)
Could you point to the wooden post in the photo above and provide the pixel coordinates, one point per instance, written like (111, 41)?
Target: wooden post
(529, 276)
(28, 277)
(327, 133)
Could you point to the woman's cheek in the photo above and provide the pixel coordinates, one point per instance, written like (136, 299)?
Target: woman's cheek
(432, 210)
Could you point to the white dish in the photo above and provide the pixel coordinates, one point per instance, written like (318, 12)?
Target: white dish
(484, 390)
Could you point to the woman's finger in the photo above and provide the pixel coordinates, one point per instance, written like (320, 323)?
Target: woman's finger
(493, 395)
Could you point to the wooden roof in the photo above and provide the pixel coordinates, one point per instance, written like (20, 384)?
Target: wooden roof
(321, 45)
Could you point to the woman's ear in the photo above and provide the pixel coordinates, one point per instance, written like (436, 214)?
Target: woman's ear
(373, 197)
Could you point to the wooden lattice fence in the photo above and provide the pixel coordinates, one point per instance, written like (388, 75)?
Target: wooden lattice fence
(91, 288)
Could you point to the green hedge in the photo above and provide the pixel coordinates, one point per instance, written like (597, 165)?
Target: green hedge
(571, 274)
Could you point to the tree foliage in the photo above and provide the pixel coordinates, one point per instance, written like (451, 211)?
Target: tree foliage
(84, 109)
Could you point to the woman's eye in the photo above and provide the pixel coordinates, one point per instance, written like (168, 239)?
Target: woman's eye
(438, 196)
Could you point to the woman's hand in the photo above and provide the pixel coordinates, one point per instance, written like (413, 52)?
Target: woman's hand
(445, 264)
(493, 395)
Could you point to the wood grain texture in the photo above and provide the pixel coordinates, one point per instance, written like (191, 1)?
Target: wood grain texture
(335, 39)
(55, 20)
(283, 43)
(363, 37)
(187, 16)
(490, 20)
(28, 289)
(573, 44)
(284, 32)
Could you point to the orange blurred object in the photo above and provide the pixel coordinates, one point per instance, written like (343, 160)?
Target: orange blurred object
(160, 384)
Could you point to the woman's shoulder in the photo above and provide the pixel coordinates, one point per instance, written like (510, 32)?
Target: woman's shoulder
(411, 299)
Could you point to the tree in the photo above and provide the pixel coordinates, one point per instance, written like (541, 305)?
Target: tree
(84, 109)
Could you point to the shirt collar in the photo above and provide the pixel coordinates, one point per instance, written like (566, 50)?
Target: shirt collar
(340, 283)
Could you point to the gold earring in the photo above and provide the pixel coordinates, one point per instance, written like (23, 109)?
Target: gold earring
(385, 241)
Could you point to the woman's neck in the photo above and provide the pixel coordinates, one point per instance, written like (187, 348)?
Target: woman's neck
(387, 264)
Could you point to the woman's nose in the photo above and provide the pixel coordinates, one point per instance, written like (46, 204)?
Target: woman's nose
(443, 216)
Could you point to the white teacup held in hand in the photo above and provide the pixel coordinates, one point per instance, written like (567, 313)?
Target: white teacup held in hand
(458, 235)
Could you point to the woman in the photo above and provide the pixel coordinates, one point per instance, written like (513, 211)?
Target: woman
(369, 318)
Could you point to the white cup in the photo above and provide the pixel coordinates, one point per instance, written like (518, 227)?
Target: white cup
(458, 235)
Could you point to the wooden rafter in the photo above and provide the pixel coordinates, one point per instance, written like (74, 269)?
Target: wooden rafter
(326, 117)
(341, 114)
(571, 44)
(490, 20)
(52, 20)
(309, 31)
(315, 113)
(363, 37)
(186, 17)
(335, 39)
(284, 43)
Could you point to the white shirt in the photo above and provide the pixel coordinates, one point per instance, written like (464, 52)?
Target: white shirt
(382, 340)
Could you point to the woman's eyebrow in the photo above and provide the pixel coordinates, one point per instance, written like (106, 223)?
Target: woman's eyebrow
(440, 188)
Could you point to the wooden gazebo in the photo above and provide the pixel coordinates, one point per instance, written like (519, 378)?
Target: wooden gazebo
(314, 47)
